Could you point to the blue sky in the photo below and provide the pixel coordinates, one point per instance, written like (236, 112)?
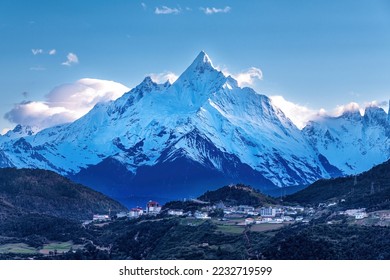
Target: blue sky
(319, 54)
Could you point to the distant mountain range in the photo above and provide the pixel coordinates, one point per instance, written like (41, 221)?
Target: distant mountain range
(352, 142)
(203, 131)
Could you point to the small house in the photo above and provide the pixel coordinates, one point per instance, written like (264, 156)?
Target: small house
(175, 212)
(100, 218)
(249, 221)
(201, 215)
(135, 212)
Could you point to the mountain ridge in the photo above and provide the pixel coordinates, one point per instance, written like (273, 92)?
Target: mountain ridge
(42, 192)
(370, 189)
(203, 121)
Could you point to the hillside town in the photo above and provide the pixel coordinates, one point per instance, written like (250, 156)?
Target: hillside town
(241, 215)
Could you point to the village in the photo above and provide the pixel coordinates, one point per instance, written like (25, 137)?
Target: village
(271, 217)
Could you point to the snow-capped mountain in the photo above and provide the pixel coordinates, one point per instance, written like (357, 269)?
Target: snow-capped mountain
(18, 132)
(352, 142)
(175, 140)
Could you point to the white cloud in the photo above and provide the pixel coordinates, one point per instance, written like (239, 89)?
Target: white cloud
(41, 51)
(37, 51)
(298, 114)
(163, 77)
(248, 77)
(353, 106)
(341, 109)
(164, 10)
(65, 103)
(37, 114)
(244, 78)
(301, 115)
(71, 59)
(382, 104)
(144, 6)
(5, 130)
(211, 11)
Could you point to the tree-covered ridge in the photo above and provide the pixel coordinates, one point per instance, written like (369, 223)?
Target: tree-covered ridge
(329, 242)
(27, 191)
(326, 233)
(370, 189)
(237, 195)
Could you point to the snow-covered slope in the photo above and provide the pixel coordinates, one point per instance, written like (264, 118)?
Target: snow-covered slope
(18, 132)
(352, 142)
(180, 139)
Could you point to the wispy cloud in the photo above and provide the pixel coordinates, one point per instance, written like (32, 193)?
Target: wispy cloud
(164, 10)
(353, 106)
(65, 103)
(248, 77)
(144, 6)
(244, 78)
(37, 68)
(212, 10)
(37, 51)
(71, 59)
(163, 77)
(383, 104)
(41, 51)
(298, 114)
(5, 130)
(301, 115)
(341, 109)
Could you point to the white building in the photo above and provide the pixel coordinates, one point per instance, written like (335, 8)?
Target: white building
(201, 215)
(121, 214)
(267, 212)
(245, 209)
(135, 212)
(175, 212)
(153, 207)
(100, 218)
(264, 220)
(300, 208)
(357, 213)
(288, 218)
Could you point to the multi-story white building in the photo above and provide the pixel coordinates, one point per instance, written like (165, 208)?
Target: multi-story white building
(153, 207)
(267, 212)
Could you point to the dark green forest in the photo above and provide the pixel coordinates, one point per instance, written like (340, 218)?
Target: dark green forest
(369, 190)
(28, 191)
(37, 209)
(238, 194)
